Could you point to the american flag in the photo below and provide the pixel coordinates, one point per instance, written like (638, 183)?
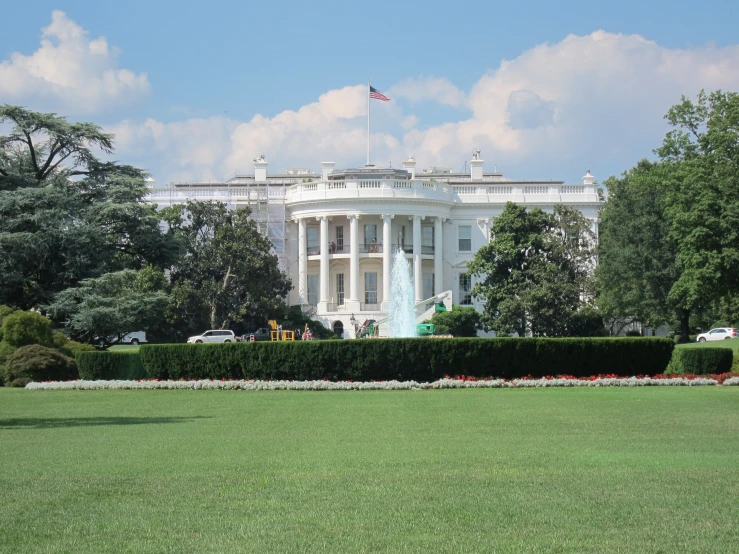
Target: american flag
(377, 95)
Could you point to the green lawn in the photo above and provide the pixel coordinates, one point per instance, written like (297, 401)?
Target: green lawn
(549, 470)
(124, 348)
(730, 343)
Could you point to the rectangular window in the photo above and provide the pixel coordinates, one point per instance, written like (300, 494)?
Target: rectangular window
(339, 238)
(427, 240)
(340, 289)
(313, 247)
(465, 289)
(370, 287)
(428, 285)
(370, 234)
(313, 290)
(465, 238)
(401, 237)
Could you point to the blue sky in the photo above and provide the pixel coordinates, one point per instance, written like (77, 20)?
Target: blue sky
(545, 90)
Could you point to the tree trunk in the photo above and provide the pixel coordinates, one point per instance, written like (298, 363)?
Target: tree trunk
(684, 316)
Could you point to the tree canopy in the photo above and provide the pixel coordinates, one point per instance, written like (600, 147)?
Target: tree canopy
(228, 272)
(535, 274)
(670, 234)
(66, 215)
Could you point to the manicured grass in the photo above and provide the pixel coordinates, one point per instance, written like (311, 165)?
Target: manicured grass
(549, 470)
(730, 343)
(124, 348)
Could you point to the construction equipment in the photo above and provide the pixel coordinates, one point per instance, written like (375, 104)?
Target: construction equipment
(277, 333)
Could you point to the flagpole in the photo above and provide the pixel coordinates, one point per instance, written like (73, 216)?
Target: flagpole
(368, 121)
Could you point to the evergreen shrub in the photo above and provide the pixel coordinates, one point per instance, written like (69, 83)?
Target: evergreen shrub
(110, 366)
(39, 363)
(701, 361)
(420, 359)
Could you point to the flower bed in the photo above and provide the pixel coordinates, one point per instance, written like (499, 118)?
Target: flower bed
(460, 382)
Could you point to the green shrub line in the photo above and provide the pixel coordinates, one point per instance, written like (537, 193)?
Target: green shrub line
(125, 366)
(387, 359)
(405, 359)
(701, 361)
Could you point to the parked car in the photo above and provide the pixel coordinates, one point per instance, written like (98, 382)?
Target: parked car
(214, 335)
(260, 334)
(720, 333)
(135, 338)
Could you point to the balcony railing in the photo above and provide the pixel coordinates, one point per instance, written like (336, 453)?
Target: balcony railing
(406, 248)
(427, 249)
(459, 190)
(334, 248)
(314, 250)
(370, 248)
(369, 307)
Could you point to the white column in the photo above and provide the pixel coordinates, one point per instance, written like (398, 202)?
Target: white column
(438, 257)
(352, 303)
(302, 262)
(387, 260)
(417, 272)
(323, 291)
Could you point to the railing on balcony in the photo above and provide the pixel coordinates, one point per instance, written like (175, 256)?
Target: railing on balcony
(370, 248)
(334, 248)
(314, 250)
(427, 249)
(406, 248)
(369, 306)
(335, 307)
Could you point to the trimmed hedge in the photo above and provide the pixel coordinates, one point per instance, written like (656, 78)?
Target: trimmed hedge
(701, 361)
(110, 366)
(408, 359)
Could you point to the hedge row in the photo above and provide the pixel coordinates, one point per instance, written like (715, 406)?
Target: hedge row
(110, 366)
(408, 359)
(701, 361)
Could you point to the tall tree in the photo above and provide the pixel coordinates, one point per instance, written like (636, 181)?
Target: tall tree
(636, 255)
(670, 234)
(535, 275)
(228, 272)
(65, 215)
(703, 199)
(108, 307)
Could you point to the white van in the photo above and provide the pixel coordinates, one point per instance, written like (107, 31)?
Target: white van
(215, 335)
(137, 337)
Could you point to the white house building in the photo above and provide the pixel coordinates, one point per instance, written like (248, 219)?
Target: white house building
(336, 232)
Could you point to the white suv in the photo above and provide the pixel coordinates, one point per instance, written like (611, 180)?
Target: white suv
(720, 333)
(215, 335)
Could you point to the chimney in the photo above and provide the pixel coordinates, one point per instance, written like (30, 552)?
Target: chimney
(328, 168)
(260, 169)
(476, 165)
(588, 179)
(410, 166)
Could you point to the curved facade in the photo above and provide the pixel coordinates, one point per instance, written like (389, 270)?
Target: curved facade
(336, 232)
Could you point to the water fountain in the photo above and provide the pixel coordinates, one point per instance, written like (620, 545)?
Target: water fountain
(401, 310)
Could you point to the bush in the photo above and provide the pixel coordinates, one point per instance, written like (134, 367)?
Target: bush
(39, 363)
(20, 382)
(460, 322)
(71, 347)
(408, 359)
(5, 351)
(23, 328)
(633, 333)
(110, 366)
(701, 361)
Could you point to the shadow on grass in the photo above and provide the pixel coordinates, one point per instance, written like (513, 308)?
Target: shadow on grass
(55, 423)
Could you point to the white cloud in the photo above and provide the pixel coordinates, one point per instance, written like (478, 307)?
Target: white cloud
(586, 99)
(429, 88)
(592, 101)
(70, 71)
